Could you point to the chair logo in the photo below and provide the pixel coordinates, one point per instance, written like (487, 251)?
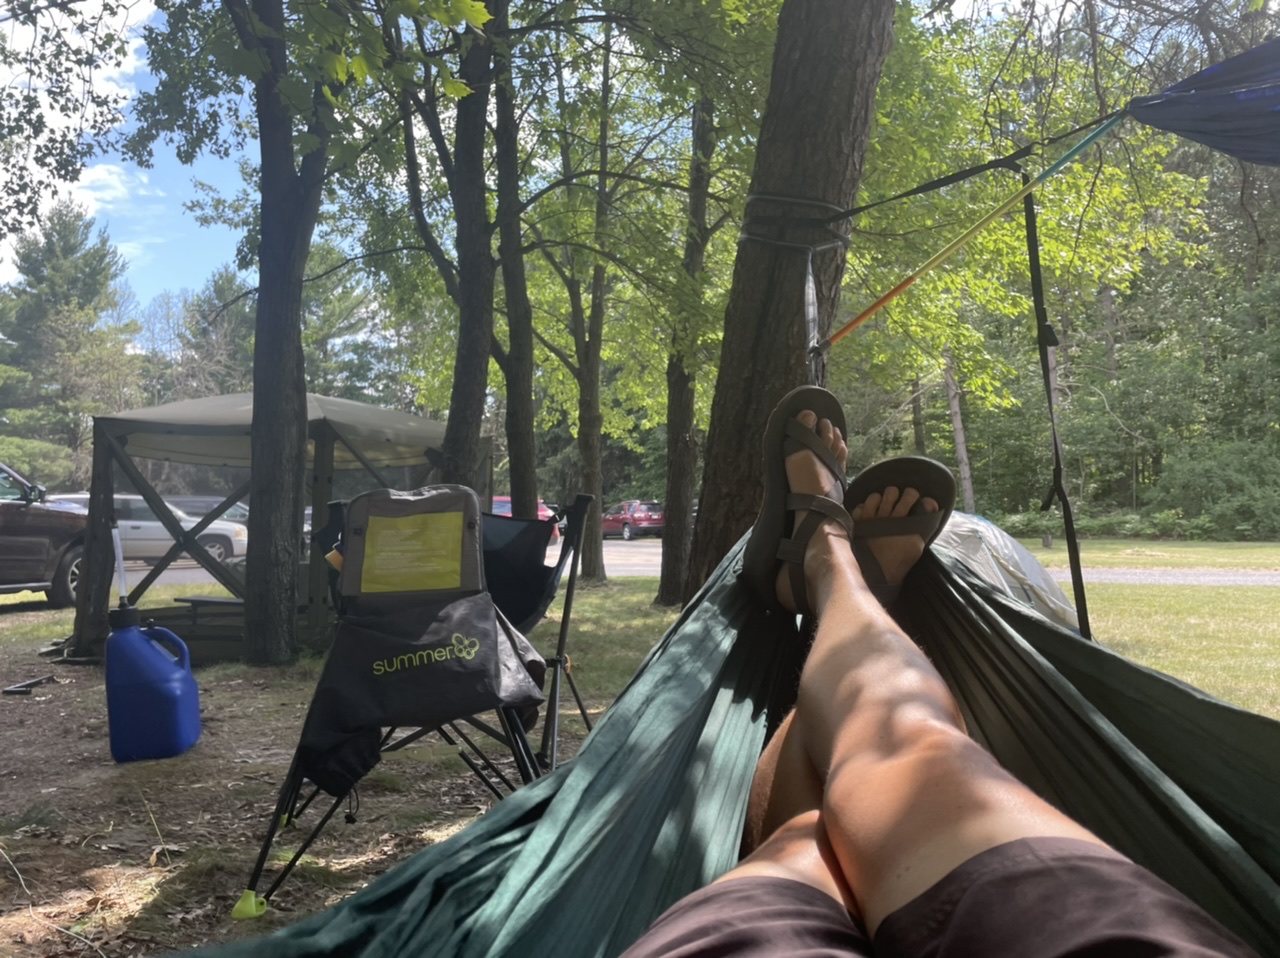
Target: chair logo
(462, 647)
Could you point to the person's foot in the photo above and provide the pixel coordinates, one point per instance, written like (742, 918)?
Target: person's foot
(806, 475)
(896, 554)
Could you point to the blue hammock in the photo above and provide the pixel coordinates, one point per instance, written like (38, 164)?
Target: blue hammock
(1233, 106)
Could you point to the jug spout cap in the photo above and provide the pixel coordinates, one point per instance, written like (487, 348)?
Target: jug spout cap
(123, 617)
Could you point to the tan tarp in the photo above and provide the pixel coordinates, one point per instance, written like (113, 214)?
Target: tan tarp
(214, 431)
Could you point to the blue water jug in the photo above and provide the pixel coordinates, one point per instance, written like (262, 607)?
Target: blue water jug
(153, 704)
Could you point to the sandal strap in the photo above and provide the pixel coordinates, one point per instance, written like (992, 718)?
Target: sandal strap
(919, 523)
(791, 551)
(813, 442)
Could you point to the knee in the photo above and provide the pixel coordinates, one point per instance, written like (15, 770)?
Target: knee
(920, 762)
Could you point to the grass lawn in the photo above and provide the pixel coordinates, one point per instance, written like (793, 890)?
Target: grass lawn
(1222, 639)
(1157, 554)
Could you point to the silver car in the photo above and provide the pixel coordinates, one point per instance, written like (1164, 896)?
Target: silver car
(143, 536)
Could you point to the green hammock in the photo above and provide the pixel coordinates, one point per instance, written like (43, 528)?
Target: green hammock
(579, 863)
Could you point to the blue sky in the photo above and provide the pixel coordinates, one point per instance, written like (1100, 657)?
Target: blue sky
(142, 211)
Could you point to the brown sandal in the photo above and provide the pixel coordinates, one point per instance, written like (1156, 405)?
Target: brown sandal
(768, 544)
(931, 479)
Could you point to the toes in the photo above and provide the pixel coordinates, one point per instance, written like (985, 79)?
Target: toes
(872, 505)
(893, 504)
(807, 418)
(907, 501)
(888, 499)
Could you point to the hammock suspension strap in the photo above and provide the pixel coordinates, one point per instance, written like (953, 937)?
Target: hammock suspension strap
(1047, 339)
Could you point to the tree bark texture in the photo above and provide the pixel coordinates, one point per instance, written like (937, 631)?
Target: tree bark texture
(587, 325)
(517, 360)
(957, 428)
(826, 67)
(591, 426)
(476, 269)
(93, 595)
(290, 202)
(682, 446)
(917, 417)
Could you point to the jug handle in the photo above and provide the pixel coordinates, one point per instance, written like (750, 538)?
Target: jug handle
(165, 637)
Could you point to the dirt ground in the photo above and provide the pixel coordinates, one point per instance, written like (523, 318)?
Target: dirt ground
(100, 858)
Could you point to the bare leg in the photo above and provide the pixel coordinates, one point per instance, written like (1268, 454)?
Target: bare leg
(909, 796)
(903, 795)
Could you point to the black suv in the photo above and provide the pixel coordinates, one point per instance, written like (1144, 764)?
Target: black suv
(41, 542)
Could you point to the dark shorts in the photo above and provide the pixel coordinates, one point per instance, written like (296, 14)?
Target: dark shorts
(1033, 898)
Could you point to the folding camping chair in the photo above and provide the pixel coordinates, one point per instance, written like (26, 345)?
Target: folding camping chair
(523, 588)
(422, 644)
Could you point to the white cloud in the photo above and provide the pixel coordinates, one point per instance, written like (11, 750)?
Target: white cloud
(102, 186)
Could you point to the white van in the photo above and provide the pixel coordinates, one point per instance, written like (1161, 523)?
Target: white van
(143, 536)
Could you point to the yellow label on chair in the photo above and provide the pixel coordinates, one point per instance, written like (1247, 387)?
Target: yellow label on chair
(413, 553)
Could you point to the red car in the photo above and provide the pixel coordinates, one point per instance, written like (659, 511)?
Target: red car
(633, 518)
(502, 507)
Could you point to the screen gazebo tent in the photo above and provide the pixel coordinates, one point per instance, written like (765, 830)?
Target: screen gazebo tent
(215, 431)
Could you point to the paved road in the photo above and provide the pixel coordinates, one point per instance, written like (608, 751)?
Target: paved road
(644, 557)
(640, 557)
(1172, 576)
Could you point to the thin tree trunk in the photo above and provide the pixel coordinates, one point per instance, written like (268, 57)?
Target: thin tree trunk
(590, 420)
(516, 361)
(682, 446)
(957, 426)
(476, 269)
(290, 203)
(826, 68)
(1108, 297)
(591, 427)
(917, 417)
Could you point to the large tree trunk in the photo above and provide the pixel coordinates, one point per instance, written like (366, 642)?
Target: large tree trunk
(517, 360)
(290, 203)
(476, 270)
(821, 102)
(682, 446)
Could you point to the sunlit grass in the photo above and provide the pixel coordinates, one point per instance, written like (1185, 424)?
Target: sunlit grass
(611, 628)
(1223, 639)
(1148, 554)
(25, 617)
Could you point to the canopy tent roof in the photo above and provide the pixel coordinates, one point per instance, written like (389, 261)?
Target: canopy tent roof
(214, 431)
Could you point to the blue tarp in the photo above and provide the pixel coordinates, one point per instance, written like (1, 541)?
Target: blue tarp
(1233, 106)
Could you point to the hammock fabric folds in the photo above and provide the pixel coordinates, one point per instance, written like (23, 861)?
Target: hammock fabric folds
(1232, 106)
(580, 862)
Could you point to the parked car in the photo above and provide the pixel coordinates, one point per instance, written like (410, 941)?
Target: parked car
(200, 506)
(632, 518)
(143, 536)
(502, 507)
(41, 540)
